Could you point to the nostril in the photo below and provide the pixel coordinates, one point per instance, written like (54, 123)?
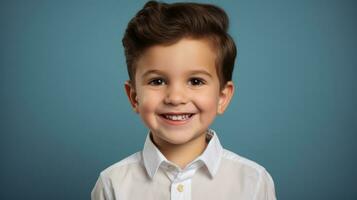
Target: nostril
(176, 98)
(176, 91)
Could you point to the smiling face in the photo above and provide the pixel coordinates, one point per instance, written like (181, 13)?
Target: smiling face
(177, 91)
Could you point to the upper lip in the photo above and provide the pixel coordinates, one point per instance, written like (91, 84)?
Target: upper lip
(177, 113)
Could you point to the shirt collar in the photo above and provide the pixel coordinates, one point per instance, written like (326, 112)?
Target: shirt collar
(211, 156)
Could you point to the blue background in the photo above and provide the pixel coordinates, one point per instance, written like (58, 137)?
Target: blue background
(64, 116)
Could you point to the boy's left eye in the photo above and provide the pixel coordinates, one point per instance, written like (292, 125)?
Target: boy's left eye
(196, 81)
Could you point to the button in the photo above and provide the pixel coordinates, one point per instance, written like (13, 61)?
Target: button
(180, 188)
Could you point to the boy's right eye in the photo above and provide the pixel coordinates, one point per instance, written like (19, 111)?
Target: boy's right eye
(157, 81)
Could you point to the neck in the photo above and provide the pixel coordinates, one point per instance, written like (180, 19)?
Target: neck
(183, 154)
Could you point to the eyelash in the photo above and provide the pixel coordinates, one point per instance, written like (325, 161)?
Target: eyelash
(191, 81)
(157, 81)
(198, 81)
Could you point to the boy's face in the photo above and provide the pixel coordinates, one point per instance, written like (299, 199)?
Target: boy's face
(177, 91)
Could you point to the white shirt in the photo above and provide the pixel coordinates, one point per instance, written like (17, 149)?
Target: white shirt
(216, 174)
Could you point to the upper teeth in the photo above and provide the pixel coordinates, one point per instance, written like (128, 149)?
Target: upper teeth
(177, 117)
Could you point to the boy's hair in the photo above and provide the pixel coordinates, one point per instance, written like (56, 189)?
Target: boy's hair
(165, 24)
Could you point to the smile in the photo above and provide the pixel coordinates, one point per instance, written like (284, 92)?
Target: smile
(176, 119)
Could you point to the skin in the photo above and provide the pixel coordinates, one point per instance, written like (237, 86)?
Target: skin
(179, 79)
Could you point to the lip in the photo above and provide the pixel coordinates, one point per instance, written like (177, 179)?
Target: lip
(176, 122)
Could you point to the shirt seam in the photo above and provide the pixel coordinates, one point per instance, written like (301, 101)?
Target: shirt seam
(137, 159)
(241, 160)
(258, 186)
(105, 186)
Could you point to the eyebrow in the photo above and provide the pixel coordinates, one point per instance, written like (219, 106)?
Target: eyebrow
(201, 72)
(193, 72)
(152, 71)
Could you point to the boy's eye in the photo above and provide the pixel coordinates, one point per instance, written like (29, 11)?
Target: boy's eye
(196, 81)
(157, 81)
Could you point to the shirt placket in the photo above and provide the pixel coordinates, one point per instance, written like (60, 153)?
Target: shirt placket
(181, 190)
(181, 182)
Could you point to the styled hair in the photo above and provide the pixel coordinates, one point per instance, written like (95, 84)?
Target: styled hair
(159, 23)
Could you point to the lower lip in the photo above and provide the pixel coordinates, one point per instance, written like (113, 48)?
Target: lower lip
(177, 122)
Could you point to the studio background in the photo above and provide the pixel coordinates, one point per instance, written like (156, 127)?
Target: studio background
(64, 116)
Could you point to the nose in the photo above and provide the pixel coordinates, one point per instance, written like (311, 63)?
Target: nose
(176, 95)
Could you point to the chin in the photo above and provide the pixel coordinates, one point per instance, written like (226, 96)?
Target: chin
(174, 138)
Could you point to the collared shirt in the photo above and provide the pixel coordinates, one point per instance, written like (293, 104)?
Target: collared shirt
(216, 174)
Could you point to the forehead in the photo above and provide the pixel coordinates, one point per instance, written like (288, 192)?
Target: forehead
(184, 55)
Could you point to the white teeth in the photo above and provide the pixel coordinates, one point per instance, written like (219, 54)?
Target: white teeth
(177, 117)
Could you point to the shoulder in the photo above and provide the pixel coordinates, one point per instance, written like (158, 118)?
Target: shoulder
(240, 160)
(244, 166)
(248, 173)
(121, 167)
(114, 175)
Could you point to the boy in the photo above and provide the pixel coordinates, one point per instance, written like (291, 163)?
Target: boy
(180, 60)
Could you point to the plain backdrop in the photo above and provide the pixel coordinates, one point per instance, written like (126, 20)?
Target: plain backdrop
(64, 116)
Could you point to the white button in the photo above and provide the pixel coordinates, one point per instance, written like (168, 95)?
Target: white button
(180, 188)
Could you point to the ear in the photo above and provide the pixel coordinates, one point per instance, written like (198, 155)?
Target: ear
(131, 93)
(225, 97)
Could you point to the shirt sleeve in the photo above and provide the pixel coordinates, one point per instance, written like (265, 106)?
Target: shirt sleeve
(101, 190)
(265, 187)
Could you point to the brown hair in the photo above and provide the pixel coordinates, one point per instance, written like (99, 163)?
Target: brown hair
(160, 23)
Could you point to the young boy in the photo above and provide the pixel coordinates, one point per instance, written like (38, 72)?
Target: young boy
(180, 60)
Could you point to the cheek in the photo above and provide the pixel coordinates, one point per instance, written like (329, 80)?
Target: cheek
(207, 106)
(207, 101)
(148, 101)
